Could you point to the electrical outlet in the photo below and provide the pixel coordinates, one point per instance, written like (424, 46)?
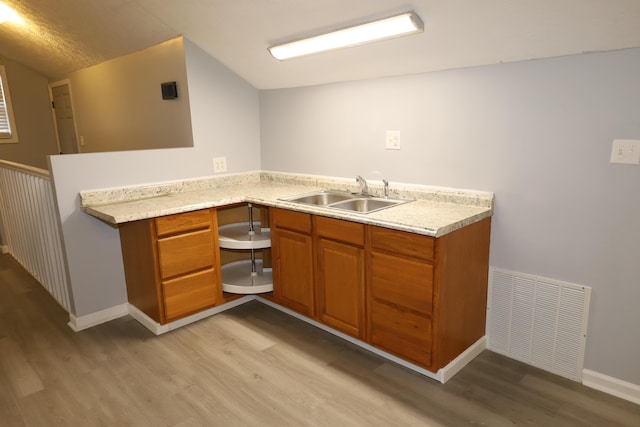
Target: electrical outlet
(219, 164)
(626, 151)
(393, 140)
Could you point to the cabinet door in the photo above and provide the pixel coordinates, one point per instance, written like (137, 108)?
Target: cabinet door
(340, 286)
(293, 270)
(189, 294)
(401, 332)
(402, 281)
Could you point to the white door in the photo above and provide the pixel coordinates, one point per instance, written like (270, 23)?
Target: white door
(63, 113)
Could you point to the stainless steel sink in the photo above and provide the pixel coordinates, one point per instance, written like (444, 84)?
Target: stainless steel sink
(366, 205)
(345, 201)
(320, 198)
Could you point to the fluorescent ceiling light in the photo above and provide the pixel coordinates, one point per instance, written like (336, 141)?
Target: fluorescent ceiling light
(8, 14)
(395, 26)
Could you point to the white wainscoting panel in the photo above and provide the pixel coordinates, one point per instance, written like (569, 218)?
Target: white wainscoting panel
(32, 228)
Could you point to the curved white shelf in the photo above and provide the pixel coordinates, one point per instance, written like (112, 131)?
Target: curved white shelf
(237, 236)
(237, 278)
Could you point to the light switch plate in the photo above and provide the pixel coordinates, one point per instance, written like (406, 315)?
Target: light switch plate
(626, 151)
(393, 140)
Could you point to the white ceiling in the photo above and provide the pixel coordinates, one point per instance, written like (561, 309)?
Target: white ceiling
(65, 35)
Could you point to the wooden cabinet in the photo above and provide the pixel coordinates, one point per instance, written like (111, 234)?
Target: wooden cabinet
(401, 294)
(427, 297)
(171, 264)
(292, 252)
(418, 297)
(340, 274)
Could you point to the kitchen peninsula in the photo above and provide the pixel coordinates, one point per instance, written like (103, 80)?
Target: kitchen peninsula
(408, 282)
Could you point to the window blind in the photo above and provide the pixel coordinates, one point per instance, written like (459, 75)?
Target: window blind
(5, 123)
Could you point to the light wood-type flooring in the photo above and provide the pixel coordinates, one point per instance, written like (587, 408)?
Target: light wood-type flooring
(253, 366)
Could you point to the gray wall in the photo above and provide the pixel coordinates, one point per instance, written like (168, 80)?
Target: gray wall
(536, 133)
(118, 104)
(32, 111)
(225, 122)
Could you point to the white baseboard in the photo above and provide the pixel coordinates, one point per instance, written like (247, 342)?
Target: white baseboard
(159, 329)
(610, 385)
(442, 375)
(93, 319)
(463, 359)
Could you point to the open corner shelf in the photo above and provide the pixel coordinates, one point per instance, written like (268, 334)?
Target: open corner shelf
(239, 236)
(245, 276)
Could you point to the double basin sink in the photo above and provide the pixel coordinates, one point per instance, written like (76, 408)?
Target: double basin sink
(345, 201)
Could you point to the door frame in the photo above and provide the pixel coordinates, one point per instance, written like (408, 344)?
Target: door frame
(53, 113)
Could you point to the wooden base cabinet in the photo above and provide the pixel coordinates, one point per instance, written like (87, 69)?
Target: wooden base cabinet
(292, 253)
(172, 264)
(421, 298)
(340, 275)
(401, 294)
(427, 296)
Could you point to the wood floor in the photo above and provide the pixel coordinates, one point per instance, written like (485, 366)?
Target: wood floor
(253, 366)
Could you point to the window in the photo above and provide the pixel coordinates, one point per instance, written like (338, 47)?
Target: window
(8, 131)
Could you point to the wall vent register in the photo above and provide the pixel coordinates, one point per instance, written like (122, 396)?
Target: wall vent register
(539, 321)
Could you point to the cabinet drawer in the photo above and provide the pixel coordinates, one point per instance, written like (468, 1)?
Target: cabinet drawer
(402, 281)
(179, 223)
(292, 220)
(400, 332)
(185, 253)
(401, 242)
(188, 294)
(337, 229)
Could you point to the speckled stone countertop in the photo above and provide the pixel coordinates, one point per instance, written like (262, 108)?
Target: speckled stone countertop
(434, 211)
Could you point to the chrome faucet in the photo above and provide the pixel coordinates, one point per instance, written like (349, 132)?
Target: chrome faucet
(364, 188)
(386, 188)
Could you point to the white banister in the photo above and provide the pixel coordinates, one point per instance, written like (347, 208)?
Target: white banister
(31, 227)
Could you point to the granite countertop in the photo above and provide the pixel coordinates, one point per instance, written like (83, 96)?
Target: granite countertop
(434, 212)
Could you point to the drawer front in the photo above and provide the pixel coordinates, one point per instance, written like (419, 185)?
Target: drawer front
(337, 229)
(402, 281)
(179, 223)
(189, 294)
(291, 220)
(400, 332)
(185, 253)
(401, 242)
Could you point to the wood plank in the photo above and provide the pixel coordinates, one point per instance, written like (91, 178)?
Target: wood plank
(17, 368)
(254, 365)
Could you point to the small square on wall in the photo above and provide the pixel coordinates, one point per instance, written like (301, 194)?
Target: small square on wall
(169, 90)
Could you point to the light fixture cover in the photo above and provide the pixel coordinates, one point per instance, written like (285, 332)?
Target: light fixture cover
(383, 29)
(10, 15)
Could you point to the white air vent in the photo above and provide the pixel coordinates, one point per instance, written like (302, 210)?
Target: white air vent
(542, 322)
